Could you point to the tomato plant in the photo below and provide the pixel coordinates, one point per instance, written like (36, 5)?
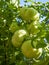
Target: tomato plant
(24, 33)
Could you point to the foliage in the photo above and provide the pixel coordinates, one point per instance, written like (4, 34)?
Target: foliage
(9, 13)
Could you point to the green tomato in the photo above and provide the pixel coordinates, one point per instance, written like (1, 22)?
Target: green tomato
(18, 37)
(29, 51)
(13, 27)
(33, 28)
(32, 14)
(29, 14)
(22, 11)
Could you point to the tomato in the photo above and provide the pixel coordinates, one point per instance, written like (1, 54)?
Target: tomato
(13, 27)
(18, 37)
(32, 14)
(29, 14)
(22, 11)
(29, 51)
(32, 28)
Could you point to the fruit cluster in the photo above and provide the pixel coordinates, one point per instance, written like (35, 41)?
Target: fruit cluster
(20, 36)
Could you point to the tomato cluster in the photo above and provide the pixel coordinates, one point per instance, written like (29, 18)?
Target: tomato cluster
(22, 38)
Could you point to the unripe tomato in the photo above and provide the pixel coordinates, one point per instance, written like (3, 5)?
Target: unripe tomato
(29, 14)
(13, 27)
(32, 14)
(33, 28)
(18, 37)
(22, 11)
(29, 51)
